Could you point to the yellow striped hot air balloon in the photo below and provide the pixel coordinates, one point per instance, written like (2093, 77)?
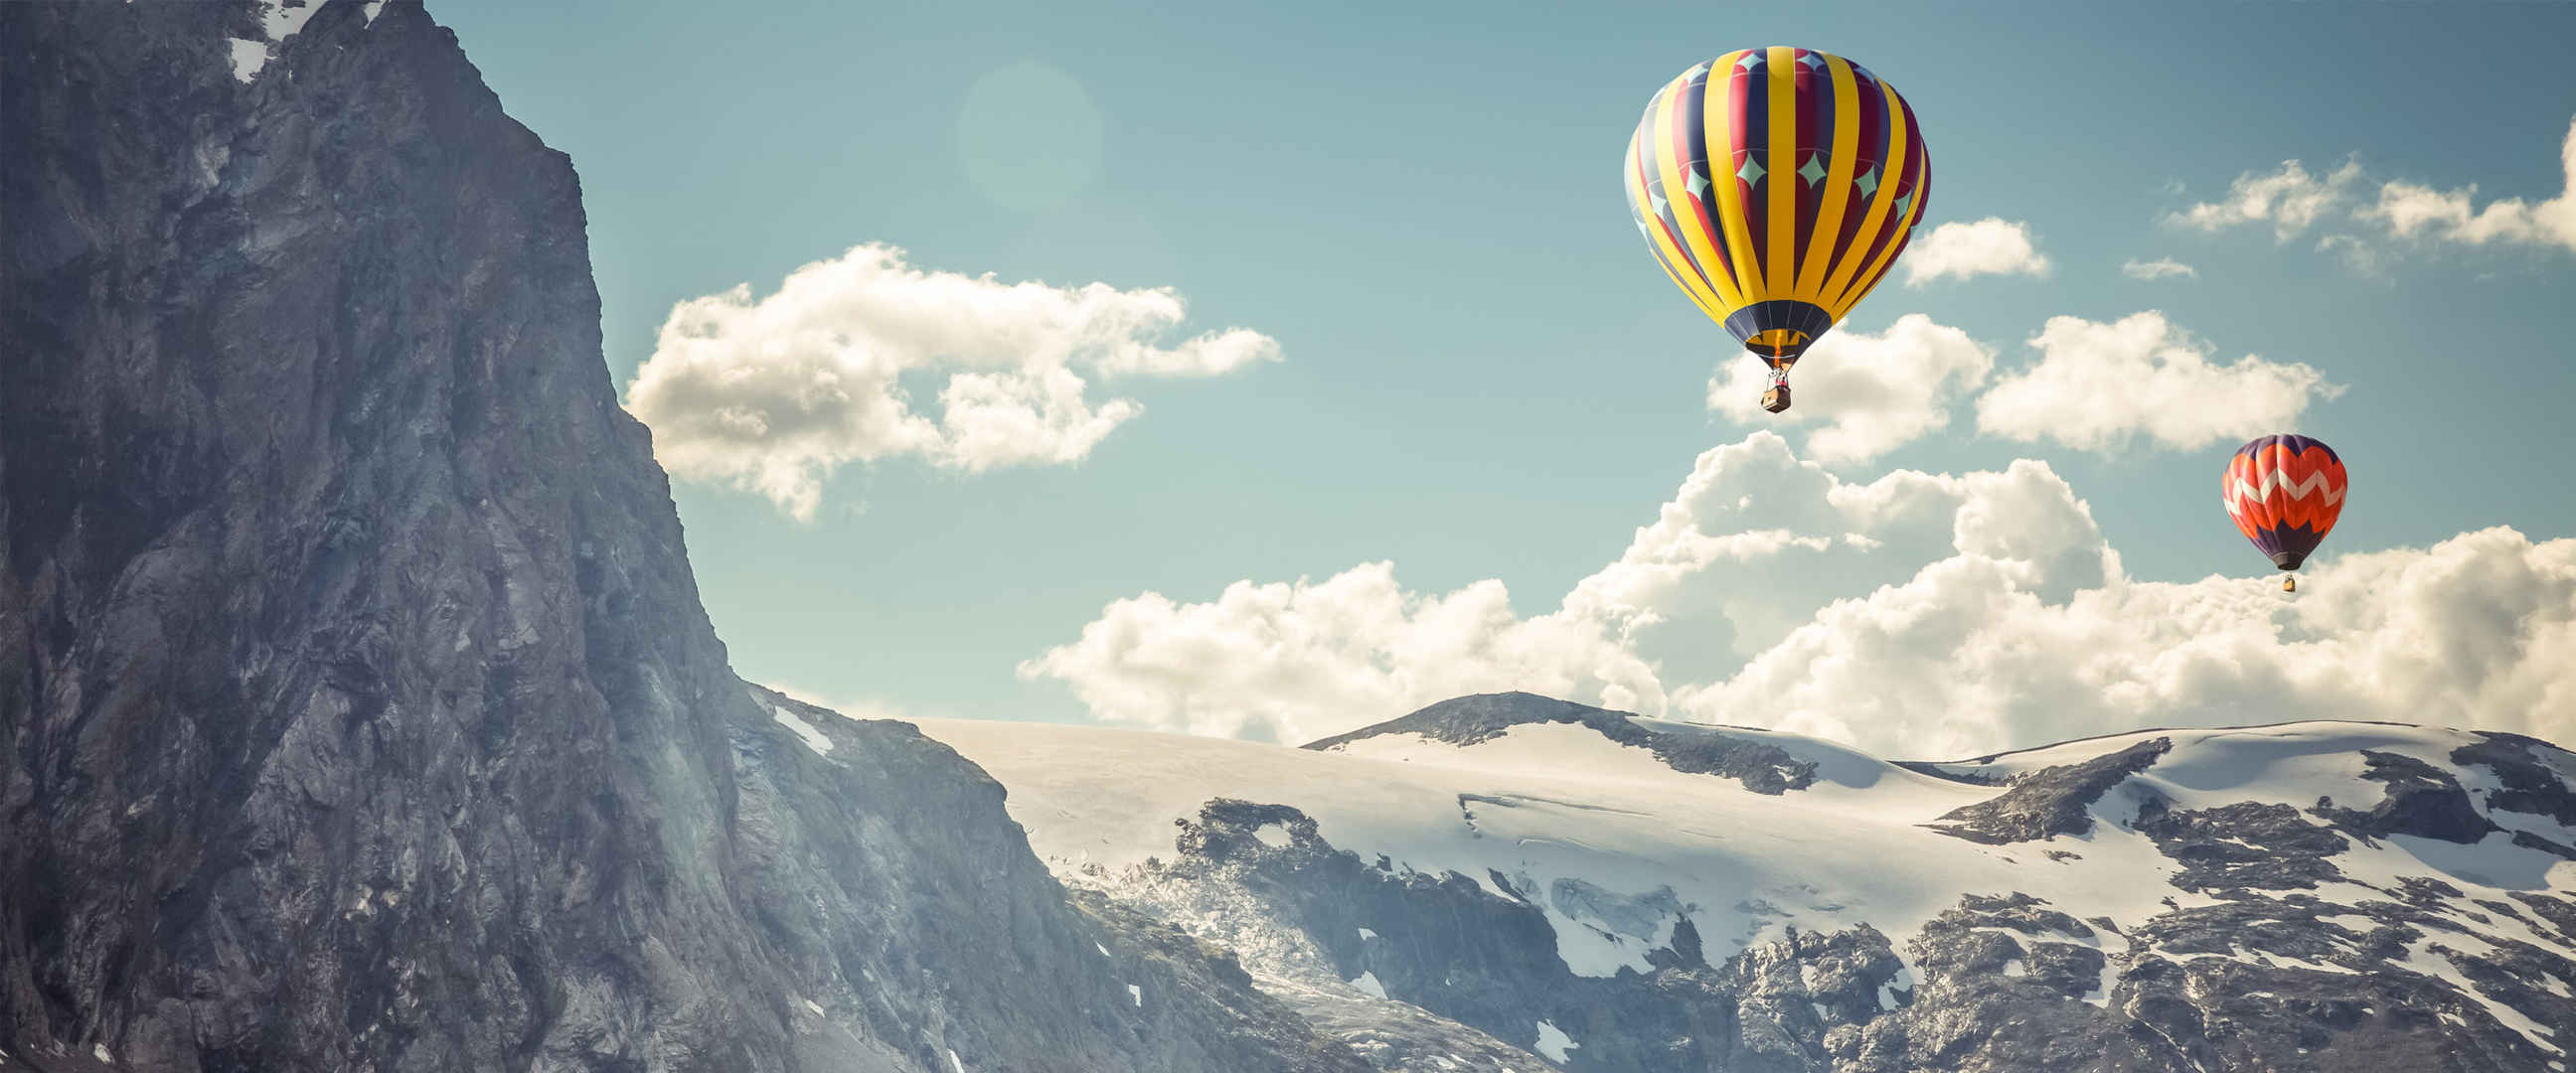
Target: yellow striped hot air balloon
(1776, 186)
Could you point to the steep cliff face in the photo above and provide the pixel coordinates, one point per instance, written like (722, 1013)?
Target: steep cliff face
(357, 710)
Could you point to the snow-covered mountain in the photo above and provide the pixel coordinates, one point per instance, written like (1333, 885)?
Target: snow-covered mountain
(1507, 881)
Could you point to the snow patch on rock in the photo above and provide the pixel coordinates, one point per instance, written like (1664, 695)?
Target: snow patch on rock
(805, 732)
(1554, 1043)
(248, 57)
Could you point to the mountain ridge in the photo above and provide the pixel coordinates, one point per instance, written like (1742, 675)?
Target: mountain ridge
(2183, 899)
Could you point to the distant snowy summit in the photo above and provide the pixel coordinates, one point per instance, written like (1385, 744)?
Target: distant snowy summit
(1511, 881)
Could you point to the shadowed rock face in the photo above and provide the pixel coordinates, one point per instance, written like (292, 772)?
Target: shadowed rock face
(358, 708)
(2050, 802)
(2422, 801)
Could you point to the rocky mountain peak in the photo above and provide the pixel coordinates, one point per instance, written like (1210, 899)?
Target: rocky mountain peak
(358, 707)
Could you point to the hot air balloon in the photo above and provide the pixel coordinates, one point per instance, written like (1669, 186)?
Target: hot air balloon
(2285, 493)
(1776, 186)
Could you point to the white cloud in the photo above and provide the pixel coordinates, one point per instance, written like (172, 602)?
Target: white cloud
(2407, 209)
(1870, 394)
(2288, 198)
(2359, 254)
(1756, 539)
(772, 395)
(1292, 662)
(2100, 386)
(1927, 615)
(1990, 247)
(2292, 201)
(2160, 268)
(1754, 542)
(2479, 630)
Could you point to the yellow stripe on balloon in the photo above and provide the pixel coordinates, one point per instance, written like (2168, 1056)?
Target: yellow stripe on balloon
(1666, 254)
(1878, 265)
(1717, 123)
(1713, 271)
(1780, 262)
(1837, 285)
(1832, 200)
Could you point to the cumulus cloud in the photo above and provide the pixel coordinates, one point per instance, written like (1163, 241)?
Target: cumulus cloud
(2291, 201)
(2102, 386)
(1990, 247)
(773, 394)
(1867, 394)
(1753, 543)
(2160, 268)
(2288, 198)
(2408, 209)
(1916, 614)
(2479, 630)
(1296, 661)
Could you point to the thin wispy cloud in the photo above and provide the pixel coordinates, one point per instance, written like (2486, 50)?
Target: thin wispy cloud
(2160, 268)
(2287, 198)
(2410, 210)
(2292, 201)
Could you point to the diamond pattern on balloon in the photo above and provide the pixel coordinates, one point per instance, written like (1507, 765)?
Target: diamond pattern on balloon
(1752, 171)
(1814, 170)
(1868, 182)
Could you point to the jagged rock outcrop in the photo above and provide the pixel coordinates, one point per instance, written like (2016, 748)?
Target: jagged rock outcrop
(2052, 801)
(357, 710)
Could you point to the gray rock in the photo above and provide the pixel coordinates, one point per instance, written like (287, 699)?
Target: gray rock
(2051, 801)
(2245, 846)
(1762, 767)
(2421, 801)
(2529, 784)
(359, 710)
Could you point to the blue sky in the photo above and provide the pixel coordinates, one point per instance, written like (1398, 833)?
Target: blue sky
(1483, 374)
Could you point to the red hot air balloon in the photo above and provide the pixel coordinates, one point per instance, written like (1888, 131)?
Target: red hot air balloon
(2285, 493)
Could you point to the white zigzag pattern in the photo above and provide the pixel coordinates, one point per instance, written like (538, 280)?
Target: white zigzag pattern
(2237, 490)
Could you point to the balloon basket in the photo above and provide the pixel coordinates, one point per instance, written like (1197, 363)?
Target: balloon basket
(2289, 584)
(1777, 398)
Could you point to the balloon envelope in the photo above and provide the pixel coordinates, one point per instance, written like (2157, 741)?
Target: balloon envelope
(2285, 493)
(1776, 186)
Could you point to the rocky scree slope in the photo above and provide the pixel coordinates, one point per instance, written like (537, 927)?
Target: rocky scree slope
(357, 710)
(1566, 887)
